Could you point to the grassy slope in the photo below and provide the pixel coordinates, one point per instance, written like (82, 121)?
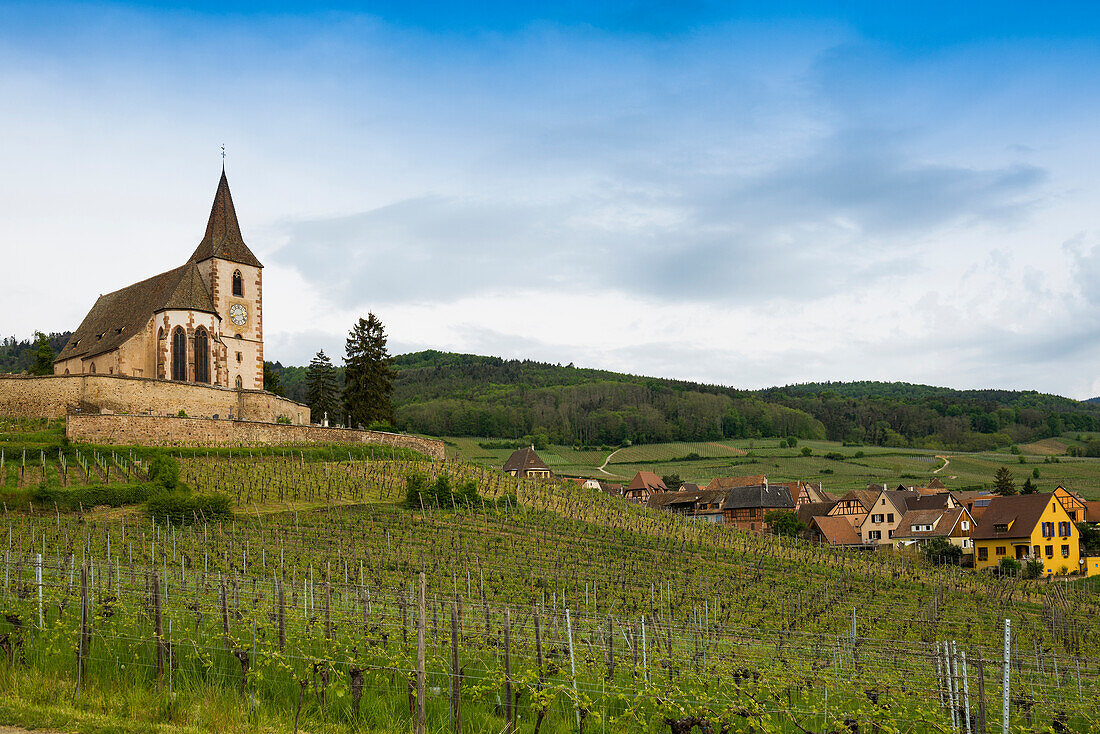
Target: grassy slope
(780, 463)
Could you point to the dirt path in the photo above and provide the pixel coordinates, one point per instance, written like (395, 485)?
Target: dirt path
(945, 463)
(599, 468)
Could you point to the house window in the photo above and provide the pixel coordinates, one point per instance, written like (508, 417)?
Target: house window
(66, 370)
(965, 525)
(1065, 551)
(1073, 515)
(983, 554)
(179, 355)
(238, 357)
(1038, 551)
(238, 284)
(202, 356)
(874, 535)
(876, 518)
(890, 517)
(240, 383)
(1000, 550)
(1000, 527)
(1050, 551)
(1048, 530)
(1063, 529)
(92, 368)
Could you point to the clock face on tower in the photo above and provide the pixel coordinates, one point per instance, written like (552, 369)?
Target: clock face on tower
(238, 314)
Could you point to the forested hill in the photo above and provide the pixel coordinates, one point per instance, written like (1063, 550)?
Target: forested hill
(456, 394)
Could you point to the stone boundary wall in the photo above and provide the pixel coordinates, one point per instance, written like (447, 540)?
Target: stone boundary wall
(54, 396)
(148, 430)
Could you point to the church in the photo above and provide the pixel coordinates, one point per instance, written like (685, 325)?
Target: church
(199, 323)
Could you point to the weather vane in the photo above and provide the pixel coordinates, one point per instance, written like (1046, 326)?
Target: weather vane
(223, 156)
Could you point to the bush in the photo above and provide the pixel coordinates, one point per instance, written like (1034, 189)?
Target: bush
(185, 508)
(283, 419)
(93, 495)
(806, 451)
(1033, 569)
(942, 552)
(1009, 566)
(182, 413)
(422, 492)
(164, 470)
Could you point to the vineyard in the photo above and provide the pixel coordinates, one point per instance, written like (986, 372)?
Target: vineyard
(328, 604)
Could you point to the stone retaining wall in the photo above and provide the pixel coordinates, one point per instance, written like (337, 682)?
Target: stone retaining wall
(54, 396)
(147, 430)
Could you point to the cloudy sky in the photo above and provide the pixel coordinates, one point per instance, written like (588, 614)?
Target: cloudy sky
(817, 192)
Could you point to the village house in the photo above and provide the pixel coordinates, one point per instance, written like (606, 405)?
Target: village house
(525, 463)
(644, 484)
(731, 482)
(975, 502)
(919, 526)
(746, 507)
(889, 507)
(1024, 527)
(699, 504)
(1072, 503)
(833, 530)
(615, 490)
(855, 505)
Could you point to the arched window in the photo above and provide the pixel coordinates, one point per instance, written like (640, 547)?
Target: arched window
(238, 284)
(240, 383)
(202, 356)
(179, 355)
(66, 370)
(92, 368)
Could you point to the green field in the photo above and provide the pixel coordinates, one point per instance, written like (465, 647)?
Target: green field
(855, 468)
(303, 611)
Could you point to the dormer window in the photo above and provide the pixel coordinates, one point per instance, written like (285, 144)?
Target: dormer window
(238, 284)
(1001, 527)
(118, 331)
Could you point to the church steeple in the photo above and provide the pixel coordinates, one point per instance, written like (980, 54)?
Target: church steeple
(223, 233)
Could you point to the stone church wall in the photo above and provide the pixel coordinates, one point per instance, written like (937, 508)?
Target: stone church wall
(55, 396)
(142, 430)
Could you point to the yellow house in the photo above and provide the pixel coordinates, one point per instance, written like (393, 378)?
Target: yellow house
(1075, 506)
(1028, 526)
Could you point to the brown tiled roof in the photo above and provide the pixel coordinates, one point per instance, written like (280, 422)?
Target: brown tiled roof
(702, 496)
(647, 480)
(523, 460)
(936, 484)
(223, 234)
(837, 530)
(865, 497)
(900, 499)
(944, 522)
(117, 316)
(689, 487)
(808, 511)
(936, 501)
(765, 497)
(1021, 512)
(731, 482)
(1092, 512)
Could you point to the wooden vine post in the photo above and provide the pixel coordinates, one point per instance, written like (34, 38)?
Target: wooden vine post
(456, 671)
(509, 724)
(158, 621)
(421, 682)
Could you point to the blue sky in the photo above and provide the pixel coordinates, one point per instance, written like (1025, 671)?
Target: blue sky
(743, 194)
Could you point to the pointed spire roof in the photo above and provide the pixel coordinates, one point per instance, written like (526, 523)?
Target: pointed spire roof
(223, 234)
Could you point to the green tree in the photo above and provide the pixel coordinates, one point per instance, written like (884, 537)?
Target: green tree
(322, 389)
(1028, 487)
(942, 552)
(1003, 483)
(272, 383)
(368, 375)
(784, 522)
(672, 481)
(1033, 568)
(1035, 473)
(1090, 538)
(43, 355)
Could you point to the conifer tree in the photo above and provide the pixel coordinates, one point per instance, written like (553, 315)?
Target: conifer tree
(1003, 484)
(368, 375)
(321, 388)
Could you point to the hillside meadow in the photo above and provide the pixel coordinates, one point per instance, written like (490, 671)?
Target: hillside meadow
(838, 467)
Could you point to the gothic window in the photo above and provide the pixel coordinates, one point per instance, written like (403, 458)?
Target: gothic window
(179, 355)
(240, 383)
(93, 368)
(202, 356)
(238, 284)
